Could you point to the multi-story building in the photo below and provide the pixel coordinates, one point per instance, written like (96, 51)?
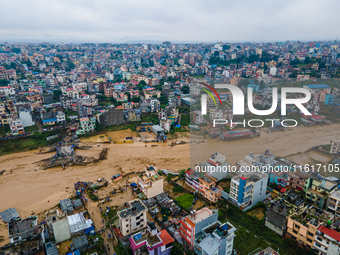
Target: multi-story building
(302, 225)
(297, 180)
(279, 210)
(197, 117)
(86, 125)
(112, 116)
(204, 234)
(213, 131)
(209, 189)
(191, 179)
(248, 189)
(152, 241)
(333, 201)
(150, 183)
(26, 118)
(327, 241)
(7, 90)
(60, 117)
(335, 146)
(216, 166)
(16, 126)
(133, 218)
(317, 189)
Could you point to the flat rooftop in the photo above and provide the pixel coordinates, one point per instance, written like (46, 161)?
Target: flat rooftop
(207, 179)
(136, 207)
(200, 215)
(336, 194)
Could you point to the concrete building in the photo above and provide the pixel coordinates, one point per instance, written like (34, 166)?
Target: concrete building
(317, 189)
(327, 241)
(133, 218)
(16, 126)
(204, 234)
(60, 117)
(112, 116)
(86, 125)
(333, 202)
(216, 166)
(20, 230)
(209, 189)
(197, 117)
(61, 231)
(276, 218)
(335, 146)
(302, 225)
(26, 118)
(150, 183)
(158, 130)
(317, 87)
(152, 241)
(248, 189)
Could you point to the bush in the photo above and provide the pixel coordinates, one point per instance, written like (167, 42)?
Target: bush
(178, 189)
(185, 201)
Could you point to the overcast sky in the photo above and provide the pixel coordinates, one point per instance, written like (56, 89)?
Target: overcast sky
(174, 20)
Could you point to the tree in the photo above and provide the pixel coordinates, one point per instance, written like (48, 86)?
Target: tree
(70, 65)
(13, 65)
(169, 177)
(226, 47)
(182, 174)
(185, 89)
(128, 96)
(177, 249)
(57, 94)
(16, 50)
(4, 82)
(60, 57)
(135, 99)
(28, 63)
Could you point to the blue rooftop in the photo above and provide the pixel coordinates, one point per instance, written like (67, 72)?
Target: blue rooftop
(49, 120)
(318, 86)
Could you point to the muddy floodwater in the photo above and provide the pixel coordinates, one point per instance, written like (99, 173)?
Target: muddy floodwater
(289, 142)
(31, 190)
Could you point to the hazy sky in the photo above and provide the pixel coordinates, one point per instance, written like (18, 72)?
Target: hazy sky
(174, 20)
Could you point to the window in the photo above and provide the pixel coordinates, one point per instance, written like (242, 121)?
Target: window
(127, 225)
(319, 239)
(309, 240)
(138, 223)
(309, 233)
(297, 226)
(127, 231)
(295, 232)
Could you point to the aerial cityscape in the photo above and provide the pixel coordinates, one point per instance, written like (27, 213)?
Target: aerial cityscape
(141, 135)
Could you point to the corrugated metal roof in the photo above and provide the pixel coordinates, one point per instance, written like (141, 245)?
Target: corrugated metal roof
(80, 242)
(9, 214)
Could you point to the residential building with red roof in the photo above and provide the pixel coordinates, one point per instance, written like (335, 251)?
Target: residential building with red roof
(327, 241)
